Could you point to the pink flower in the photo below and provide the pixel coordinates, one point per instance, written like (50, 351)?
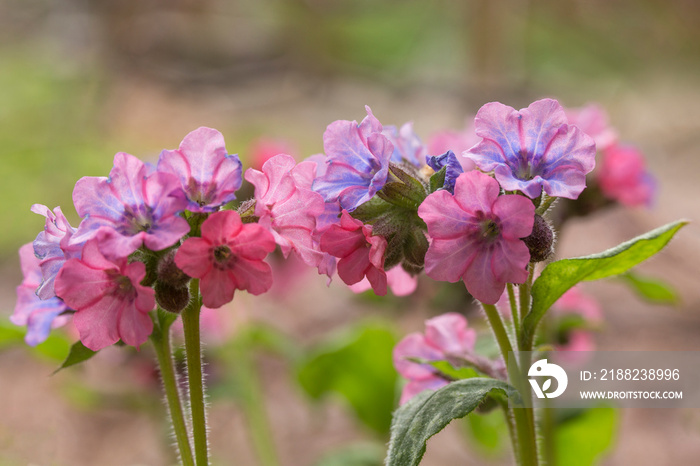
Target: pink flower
(361, 254)
(209, 176)
(533, 149)
(593, 120)
(228, 257)
(39, 315)
(475, 236)
(286, 205)
(400, 282)
(109, 300)
(623, 176)
(445, 336)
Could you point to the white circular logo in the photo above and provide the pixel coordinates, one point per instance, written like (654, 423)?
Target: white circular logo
(542, 368)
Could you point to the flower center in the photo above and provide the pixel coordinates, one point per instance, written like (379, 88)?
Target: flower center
(137, 219)
(223, 258)
(489, 229)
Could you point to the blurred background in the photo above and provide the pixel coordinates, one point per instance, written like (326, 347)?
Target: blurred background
(303, 376)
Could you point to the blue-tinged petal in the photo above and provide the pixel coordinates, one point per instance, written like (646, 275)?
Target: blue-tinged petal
(453, 170)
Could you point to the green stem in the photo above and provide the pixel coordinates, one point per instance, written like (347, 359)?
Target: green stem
(161, 343)
(546, 203)
(513, 308)
(193, 350)
(526, 446)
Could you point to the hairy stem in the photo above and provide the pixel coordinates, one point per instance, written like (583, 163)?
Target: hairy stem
(161, 343)
(193, 350)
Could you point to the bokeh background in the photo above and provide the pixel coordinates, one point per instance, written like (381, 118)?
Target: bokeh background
(306, 371)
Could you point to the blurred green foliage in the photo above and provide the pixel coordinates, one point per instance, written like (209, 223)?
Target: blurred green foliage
(582, 438)
(357, 366)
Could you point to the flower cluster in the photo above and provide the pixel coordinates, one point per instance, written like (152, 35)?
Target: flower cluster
(147, 230)
(464, 214)
(378, 207)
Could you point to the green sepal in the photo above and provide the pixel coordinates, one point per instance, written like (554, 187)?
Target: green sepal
(437, 181)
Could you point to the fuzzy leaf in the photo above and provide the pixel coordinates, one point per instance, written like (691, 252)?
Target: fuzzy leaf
(437, 181)
(561, 275)
(430, 411)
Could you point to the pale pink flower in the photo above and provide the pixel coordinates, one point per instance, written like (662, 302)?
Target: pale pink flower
(445, 336)
(623, 176)
(109, 300)
(228, 257)
(475, 236)
(286, 205)
(592, 119)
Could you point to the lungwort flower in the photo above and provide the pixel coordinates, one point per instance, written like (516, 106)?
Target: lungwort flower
(208, 174)
(228, 257)
(623, 176)
(533, 149)
(357, 158)
(360, 254)
(445, 336)
(39, 315)
(135, 206)
(475, 236)
(109, 300)
(286, 205)
(52, 246)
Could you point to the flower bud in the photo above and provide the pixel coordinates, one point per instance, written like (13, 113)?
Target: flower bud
(168, 272)
(170, 298)
(541, 240)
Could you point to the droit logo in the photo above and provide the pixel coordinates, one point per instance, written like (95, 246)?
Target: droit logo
(542, 369)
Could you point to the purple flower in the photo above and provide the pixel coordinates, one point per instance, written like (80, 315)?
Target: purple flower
(208, 174)
(357, 159)
(52, 246)
(134, 206)
(453, 170)
(533, 149)
(39, 315)
(407, 144)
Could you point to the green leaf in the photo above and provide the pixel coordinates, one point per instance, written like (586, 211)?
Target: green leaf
(358, 367)
(437, 181)
(78, 353)
(581, 440)
(430, 411)
(651, 289)
(454, 373)
(561, 275)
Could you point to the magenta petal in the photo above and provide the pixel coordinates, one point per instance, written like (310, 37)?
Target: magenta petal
(449, 333)
(193, 257)
(476, 192)
(352, 268)
(221, 226)
(253, 242)
(253, 276)
(401, 282)
(98, 324)
(135, 326)
(509, 261)
(516, 215)
(377, 278)
(217, 288)
(444, 216)
(447, 260)
(481, 281)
